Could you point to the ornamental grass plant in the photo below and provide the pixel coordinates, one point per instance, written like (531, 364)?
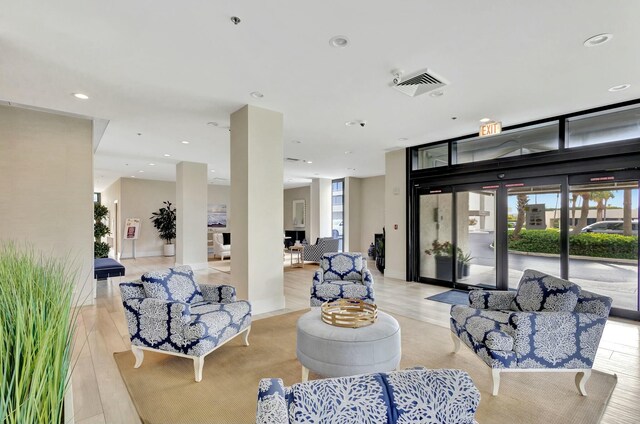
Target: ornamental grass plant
(37, 321)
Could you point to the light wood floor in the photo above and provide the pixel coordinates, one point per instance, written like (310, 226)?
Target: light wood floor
(100, 395)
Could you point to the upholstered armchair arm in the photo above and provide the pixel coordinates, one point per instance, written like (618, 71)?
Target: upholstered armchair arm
(560, 339)
(367, 277)
(218, 294)
(272, 404)
(494, 300)
(318, 277)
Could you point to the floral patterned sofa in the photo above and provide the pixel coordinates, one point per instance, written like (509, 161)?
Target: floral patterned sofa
(342, 275)
(168, 312)
(410, 396)
(549, 324)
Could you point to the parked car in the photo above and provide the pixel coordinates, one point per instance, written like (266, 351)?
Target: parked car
(610, 227)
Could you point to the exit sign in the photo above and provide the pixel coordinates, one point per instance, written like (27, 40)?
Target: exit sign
(490, 128)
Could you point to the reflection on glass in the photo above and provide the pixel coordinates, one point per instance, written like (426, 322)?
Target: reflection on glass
(476, 214)
(534, 230)
(536, 139)
(603, 127)
(603, 242)
(432, 157)
(436, 250)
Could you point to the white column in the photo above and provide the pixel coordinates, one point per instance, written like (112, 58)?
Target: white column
(257, 205)
(352, 218)
(395, 205)
(320, 209)
(191, 215)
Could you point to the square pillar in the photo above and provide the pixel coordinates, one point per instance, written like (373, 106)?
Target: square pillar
(257, 205)
(191, 215)
(320, 209)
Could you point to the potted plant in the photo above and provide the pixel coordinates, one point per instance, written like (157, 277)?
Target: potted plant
(36, 334)
(100, 229)
(164, 220)
(443, 255)
(380, 252)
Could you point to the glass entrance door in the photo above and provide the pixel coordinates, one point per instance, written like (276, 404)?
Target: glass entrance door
(435, 235)
(476, 235)
(533, 229)
(603, 240)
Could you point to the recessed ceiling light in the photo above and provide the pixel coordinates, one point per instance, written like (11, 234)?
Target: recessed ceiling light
(316, 173)
(81, 96)
(212, 124)
(152, 164)
(339, 41)
(256, 94)
(436, 93)
(141, 170)
(309, 161)
(184, 142)
(619, 87)
(485, 120)
(351, 123)
(351, 169)
(597, 40)
(133, 176)
(166, 155)
(213, 170)
(403, 139)
(348, 152)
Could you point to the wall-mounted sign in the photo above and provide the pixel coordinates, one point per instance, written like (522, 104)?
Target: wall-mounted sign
(490, 128)
(131, 228)
(535, 217)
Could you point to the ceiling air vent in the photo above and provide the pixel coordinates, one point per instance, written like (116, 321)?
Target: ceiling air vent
(419, 83)
(292, 160)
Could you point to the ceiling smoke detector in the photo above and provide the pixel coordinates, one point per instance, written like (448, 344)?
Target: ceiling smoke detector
(418, 83)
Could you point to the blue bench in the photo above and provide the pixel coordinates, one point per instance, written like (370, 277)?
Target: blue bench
(105, 268)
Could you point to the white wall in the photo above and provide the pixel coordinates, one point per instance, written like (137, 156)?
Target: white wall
(289, 196)
(395, 205)
(371, 210)
(46, 186)
(111, 197)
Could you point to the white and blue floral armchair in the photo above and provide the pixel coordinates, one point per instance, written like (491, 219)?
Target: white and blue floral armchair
(341, 276)
(409, 396)
(549, 324)
(168, 312)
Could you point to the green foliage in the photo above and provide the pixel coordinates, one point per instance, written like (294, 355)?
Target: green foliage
(37, 324)
(100, 229)
(582, 244)
(164, 220)
(380, 246)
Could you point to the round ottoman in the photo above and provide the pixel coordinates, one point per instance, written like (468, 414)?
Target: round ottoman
(335, 351)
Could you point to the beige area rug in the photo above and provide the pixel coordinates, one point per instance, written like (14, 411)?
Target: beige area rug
(222, 266)
(163, 389)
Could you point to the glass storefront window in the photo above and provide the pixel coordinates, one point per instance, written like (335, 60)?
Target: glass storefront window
(603, 127)
(519, 142)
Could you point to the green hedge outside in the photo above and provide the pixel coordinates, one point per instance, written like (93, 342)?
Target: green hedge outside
(583, 244)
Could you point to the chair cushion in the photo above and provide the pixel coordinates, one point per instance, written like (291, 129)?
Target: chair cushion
(342, 266)
(175, 284)
(540, 292)
(216, 319)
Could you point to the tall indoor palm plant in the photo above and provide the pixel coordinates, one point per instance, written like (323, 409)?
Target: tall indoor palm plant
(37, 322)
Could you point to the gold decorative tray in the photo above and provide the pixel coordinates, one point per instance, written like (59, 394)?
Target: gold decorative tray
(349, 313)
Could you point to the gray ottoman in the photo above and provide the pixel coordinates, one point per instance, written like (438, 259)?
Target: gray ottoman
(335, 352)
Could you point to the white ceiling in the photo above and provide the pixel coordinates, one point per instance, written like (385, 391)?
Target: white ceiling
(165, 68)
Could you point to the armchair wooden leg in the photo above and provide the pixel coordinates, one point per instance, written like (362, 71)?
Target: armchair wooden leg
(495, 374)
(246, 336)
(581, 381)
(139, 354)
(305, 374)
(198, 363)
(456, 342)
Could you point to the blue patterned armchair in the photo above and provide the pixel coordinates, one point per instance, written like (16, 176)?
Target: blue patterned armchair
(314, 252)
(168, 312)
(342, 275)
(408, 396)
(549, 324)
